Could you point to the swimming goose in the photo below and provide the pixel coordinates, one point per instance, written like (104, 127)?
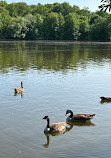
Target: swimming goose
(19, 90)
(78, 117)
(105, 98)
(55, 127)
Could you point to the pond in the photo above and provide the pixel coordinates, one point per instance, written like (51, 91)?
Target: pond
(56, 76)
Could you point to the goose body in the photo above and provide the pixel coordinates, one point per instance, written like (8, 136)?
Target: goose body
(54, 127)
(19, 90)
(78, 117)
(105, 98)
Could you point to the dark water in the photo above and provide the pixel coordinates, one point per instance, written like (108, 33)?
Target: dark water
(57, 76)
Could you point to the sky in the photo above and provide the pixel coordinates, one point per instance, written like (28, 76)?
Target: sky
(91, 4)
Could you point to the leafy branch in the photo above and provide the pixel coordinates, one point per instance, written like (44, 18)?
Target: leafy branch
(106, 5)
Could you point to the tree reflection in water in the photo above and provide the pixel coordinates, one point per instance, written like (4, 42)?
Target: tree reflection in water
(24, 55)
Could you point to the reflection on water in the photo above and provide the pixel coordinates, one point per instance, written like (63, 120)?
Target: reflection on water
(57, 76)
(18, 94)
(56, 134)
(79, 123)
(104, 102)
(54, 56)
(51, 134)
(71, 125)
(48, 141)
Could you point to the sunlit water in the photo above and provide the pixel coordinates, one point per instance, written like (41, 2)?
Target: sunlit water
(57, 76)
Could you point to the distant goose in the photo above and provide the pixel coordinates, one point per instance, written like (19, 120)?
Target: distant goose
(19, 90)
(78, 117)
(105, 98)
(55, 127)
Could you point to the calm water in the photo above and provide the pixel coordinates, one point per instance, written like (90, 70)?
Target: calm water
(57, 76)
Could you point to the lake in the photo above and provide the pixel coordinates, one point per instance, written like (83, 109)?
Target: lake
(57, 76)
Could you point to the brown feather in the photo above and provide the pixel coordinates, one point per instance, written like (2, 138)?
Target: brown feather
(105, 98)
(19, 90)
(83, 116)
(58, 126)
(78, 117)
(54, 127)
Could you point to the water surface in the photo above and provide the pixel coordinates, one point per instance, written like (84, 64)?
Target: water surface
(57, 76)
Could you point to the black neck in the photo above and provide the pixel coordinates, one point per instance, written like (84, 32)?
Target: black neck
(71, 114)
(48, 123)
(21, 85)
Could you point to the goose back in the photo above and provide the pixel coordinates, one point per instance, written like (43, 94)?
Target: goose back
(54, 127)
(19, 90)
(78, 117)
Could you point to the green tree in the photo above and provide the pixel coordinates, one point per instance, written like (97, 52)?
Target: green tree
(41, 9)
(50, 26)
(4, 22)
(1, 26)
(60, 30)
(94, 16)
(57, 21)
(3, 4)
(75, 9)
(22, 9)
(84, 28)
(12, 10)
(71, 27)
(58, 8)
(18, 9)
(109, 31)
(100, 30)
(102, 14)
(17, 28)
(67, 8)
(49, 7)
(84, 11)
(30, 23)
(33, 24)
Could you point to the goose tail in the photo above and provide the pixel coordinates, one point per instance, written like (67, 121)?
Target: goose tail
(93, 115)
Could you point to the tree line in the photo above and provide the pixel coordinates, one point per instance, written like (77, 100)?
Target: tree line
(57, 21)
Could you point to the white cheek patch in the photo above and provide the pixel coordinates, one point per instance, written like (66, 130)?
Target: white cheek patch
(48, 129)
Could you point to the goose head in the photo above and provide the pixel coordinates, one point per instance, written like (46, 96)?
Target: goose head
(46, 118)
(71, 113)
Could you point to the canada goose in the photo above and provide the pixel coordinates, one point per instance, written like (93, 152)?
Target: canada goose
(55, 127)
(19, 90)
(105, 99)
(78, 117)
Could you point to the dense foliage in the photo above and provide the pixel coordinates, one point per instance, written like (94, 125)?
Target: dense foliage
(58, 21)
